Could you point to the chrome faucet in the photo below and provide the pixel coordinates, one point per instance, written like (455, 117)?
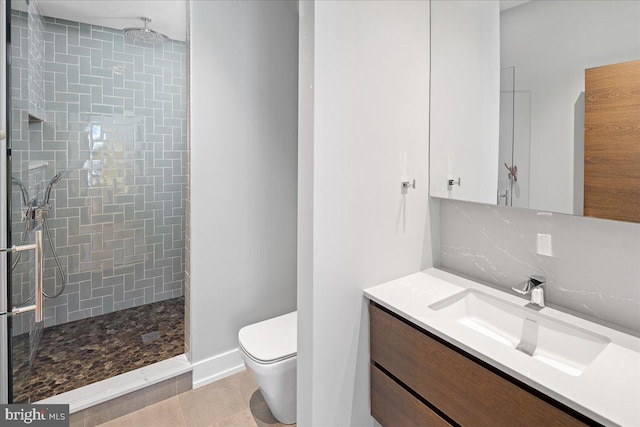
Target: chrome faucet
(535, 288)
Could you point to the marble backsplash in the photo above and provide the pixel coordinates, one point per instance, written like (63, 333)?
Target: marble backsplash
(592, 266)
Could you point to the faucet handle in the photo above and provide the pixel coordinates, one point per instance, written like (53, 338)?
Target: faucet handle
(537, 280)
(525, 290)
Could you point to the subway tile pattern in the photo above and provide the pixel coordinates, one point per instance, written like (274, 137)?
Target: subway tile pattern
(592, 265)
(115, 119)
(35, 23)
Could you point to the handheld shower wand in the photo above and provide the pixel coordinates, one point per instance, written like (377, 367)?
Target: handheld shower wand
(23, 190)
(56, 178)
(39, 212)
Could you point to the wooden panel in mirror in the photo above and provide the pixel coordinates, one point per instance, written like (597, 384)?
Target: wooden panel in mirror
(612, 142)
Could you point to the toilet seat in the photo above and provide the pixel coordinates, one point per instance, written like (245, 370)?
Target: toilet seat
(265, 362)
(272, 340)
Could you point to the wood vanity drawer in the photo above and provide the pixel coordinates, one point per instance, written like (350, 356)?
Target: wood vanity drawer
(392, 405)
(467, 392)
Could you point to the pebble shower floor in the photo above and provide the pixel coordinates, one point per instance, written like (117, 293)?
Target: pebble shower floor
(75, 354)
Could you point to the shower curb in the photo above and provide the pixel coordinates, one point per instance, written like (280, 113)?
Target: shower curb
(131, 402)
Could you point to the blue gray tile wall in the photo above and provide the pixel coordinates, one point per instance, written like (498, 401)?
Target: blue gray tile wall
(115, 117)
(592, 265)
(35, 24)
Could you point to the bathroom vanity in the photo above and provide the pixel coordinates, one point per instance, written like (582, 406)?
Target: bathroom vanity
(449, 351)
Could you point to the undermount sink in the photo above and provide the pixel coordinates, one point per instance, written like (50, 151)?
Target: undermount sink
(558, 344)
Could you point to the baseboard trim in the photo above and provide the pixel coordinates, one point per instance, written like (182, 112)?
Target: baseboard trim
(217, 367)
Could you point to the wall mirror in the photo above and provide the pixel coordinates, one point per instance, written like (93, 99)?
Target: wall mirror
(536, 104)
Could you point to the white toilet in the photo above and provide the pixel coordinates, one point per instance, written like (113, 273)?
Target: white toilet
(269, 351)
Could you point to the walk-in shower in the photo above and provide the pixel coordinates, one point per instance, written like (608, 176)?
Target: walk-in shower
(96, 159)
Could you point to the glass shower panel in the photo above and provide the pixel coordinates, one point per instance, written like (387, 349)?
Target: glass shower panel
(26, 173)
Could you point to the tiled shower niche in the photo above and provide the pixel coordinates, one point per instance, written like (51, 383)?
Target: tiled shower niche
(114, 119)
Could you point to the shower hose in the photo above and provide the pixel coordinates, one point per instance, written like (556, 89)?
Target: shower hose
(45, 226)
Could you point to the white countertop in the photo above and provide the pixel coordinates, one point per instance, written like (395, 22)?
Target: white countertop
(608, 391)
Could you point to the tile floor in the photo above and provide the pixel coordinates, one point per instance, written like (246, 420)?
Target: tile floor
(78, 353)
(232, 402)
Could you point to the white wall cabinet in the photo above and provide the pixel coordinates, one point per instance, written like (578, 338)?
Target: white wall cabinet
(465, 99)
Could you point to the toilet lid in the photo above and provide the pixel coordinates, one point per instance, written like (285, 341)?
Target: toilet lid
(271, 340)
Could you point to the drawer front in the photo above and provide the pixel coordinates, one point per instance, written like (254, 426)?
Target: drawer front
(393, 406)
(465, 391)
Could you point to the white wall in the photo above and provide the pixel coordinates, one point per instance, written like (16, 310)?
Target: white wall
(305, 213)
(465, 53)
(364, 101)
(244, 64)
(551, 43)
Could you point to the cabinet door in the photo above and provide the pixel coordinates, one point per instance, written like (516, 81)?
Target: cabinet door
(465, 391)
(465, 100)
(394, 406)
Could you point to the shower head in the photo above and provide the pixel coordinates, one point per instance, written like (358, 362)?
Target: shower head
(56, 178)
(23, 190)
(144, 35)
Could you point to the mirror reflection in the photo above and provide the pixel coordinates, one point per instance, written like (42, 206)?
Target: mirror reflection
(569, 106)
(546, 50)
